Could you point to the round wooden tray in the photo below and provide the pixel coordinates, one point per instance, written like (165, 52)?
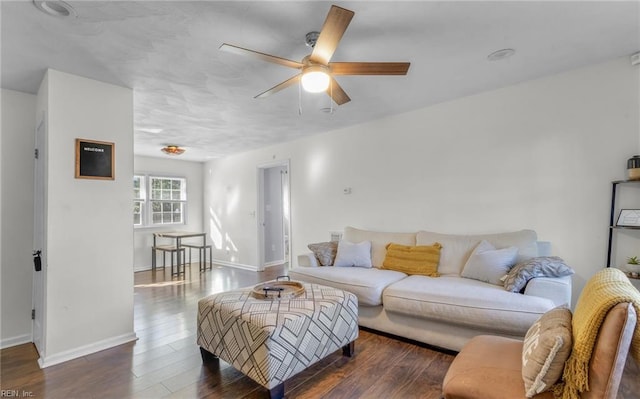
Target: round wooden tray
(278, 290)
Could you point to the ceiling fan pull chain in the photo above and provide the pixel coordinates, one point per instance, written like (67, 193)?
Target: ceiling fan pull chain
(331, 98)
(299, 97)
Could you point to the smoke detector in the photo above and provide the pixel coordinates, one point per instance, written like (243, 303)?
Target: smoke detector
(311, 38)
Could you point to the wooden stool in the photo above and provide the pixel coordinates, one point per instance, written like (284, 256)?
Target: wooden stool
(172, 249)
(202, 255)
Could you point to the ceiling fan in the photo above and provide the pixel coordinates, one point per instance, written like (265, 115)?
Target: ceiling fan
(316, 71)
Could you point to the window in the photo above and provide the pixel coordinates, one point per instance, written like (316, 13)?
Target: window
(168, 196)
(165, 203)
(138, 200)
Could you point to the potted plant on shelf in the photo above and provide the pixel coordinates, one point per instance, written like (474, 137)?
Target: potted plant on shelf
(633, 265)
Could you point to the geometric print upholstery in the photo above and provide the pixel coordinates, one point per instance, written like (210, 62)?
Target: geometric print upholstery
(270, 340)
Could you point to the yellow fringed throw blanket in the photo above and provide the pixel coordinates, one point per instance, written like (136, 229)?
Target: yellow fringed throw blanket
(602, 292)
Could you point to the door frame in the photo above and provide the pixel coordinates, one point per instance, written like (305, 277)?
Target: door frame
(39, 281)
(260, 211)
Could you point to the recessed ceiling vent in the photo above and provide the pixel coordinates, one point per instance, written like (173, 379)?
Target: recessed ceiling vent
(55, 8)
(501, 54)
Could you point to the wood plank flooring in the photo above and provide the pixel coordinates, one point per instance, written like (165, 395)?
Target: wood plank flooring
(165, 361)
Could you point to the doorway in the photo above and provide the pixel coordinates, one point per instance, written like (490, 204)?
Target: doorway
(274, 215)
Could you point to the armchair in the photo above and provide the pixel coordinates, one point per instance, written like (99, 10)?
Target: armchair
(490, 367)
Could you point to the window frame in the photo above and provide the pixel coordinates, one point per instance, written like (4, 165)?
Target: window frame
(147, 203)
(141, 198)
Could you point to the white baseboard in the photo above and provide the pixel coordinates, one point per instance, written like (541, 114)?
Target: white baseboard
(86, 350)
(274, 263)
(13, 341)
(216, 262)
(236, 265)
(158, 267)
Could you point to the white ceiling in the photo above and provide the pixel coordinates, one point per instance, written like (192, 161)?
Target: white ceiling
(202, 98)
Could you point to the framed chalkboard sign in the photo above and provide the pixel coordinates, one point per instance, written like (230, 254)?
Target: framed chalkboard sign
(94, 159)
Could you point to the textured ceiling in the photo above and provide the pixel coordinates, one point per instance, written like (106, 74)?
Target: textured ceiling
(202, 98)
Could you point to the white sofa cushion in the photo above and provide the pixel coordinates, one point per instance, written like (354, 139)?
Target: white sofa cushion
(367, 284)
(379, 241)
(465, 302)
(456, 249)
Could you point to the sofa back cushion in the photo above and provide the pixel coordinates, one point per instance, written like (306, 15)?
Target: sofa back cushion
(379, 241)
(456, 249)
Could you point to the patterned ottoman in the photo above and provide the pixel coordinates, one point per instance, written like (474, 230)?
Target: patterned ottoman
(270, 340)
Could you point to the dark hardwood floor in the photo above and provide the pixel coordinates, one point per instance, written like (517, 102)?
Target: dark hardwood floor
(165, 361)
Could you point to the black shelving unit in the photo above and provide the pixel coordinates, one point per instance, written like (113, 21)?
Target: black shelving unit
(612, 220)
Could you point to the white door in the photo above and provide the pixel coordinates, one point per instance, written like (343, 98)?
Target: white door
(39, 277)
(273, 218)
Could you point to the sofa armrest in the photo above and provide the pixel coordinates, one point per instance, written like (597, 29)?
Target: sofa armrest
(558, 289)
(308, 260)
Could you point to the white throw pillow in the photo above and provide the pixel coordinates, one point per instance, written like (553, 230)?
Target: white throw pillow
(489, 264)
(350, 254)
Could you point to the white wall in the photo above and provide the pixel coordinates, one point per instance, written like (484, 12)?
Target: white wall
(89, 287)
(18, 126)
(192, 171)
(537, 155)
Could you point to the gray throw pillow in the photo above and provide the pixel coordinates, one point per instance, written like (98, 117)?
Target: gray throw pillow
(356, 254)
(489, 264)
(542, 266)
(325, 252)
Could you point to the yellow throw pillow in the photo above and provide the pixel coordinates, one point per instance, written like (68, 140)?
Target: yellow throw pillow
(420, 259)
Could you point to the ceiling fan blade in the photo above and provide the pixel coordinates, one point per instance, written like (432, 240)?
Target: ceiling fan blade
(369, 68)
(280, 86)
(337, 93)
(334, 27)
(229, 48)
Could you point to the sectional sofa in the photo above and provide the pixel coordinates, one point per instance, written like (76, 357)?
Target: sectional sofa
(444, 311)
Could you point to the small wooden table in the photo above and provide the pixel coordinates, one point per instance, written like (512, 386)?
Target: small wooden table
(270, 340)
(178, 236)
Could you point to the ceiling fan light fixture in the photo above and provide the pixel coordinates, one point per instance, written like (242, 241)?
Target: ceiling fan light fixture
(173, 150)
(316, 69)
(315, 79)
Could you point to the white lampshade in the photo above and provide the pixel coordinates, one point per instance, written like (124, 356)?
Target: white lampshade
(315, 79)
